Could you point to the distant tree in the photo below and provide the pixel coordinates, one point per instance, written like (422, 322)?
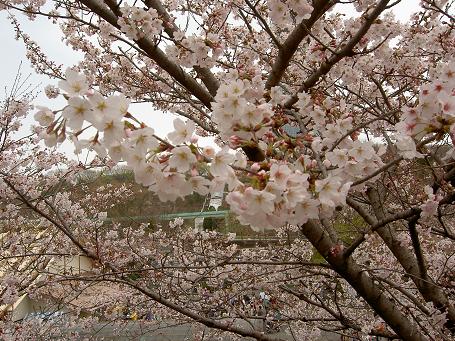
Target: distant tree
(371, 100)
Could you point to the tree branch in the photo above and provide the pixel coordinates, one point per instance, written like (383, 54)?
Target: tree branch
(287, 50)
(361, 282)
(345, 51)
(207, 77)
(156, 54)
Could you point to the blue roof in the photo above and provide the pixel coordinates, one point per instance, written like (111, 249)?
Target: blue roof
(292, 131)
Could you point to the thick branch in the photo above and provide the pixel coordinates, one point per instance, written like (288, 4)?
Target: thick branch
(156, 54)
(426, 286)
(207, 77)
(362, 283)
(288, 48)
(417, 247)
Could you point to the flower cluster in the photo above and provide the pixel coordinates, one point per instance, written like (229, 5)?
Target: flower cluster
(161, 166)
(285, 199)
(280, 11)
(195, 51)
(435, 110)
(273, 193)
(241, 111)
(348, 159)
(138, 23)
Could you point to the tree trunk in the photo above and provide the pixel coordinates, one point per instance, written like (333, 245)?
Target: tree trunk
(362, 283)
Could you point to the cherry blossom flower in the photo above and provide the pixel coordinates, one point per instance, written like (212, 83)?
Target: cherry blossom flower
(331, 191)
(182, 131)
(279, 12)
(44, 116)
(137, 23)
(407, 147)
(75, 83)
(447, 103)
(147, 174)
(182, 158)
(279, 174)
(51, 91)
(339, 157)
(361, 150)
(171, 185)
(143, 139)
(302, 8)
(135, 159)
(116, 151)
(259, 201)
(78, 110)
(50, 140)
(200, 184)
(304, 211)
(221, 163)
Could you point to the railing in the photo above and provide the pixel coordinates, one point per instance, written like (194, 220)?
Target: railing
(170, 216)
(192, 215)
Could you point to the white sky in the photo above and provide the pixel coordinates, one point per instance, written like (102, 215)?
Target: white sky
(48, 36)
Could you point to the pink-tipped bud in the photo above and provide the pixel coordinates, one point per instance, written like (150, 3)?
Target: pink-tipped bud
(326, 163)
(163, 158)
(234, 141)
(269, 137)
(255, 167)
(194, 139)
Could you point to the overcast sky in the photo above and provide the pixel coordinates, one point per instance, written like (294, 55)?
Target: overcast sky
(48, 37)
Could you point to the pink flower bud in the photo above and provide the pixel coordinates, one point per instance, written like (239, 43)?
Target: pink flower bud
(234, 141)
(268, 137)
(308, 138)
(255, 167)
(163, 158)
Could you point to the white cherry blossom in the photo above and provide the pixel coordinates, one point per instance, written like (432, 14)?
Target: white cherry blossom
(75, 83)
(143, 139)
(182, 131)
(44, 116)
(76, 112)
(221, 163)
(182, 158)
(259, 201)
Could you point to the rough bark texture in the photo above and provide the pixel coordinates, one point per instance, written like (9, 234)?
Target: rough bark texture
(425, 284)
(362, 283)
